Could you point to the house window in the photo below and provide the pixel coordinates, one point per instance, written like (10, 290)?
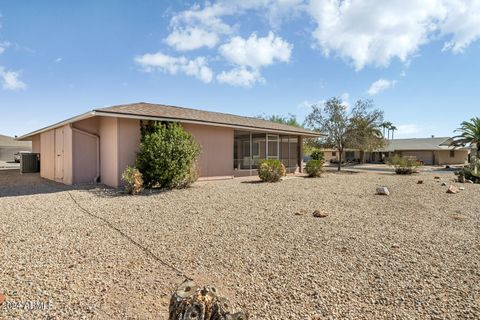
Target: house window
(350, 155)
(256, 149)
(452, 153)
(334, 153)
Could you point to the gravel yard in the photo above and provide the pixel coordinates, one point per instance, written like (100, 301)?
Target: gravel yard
(412, 255)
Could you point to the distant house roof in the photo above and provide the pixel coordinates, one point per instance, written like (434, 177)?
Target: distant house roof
(440, 143)
(162, 112)
(10, 142)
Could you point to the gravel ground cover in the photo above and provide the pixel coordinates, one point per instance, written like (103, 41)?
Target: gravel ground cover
(412, 255)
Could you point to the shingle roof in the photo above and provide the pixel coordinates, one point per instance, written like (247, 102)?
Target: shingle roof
(440, 143)
(179, 113)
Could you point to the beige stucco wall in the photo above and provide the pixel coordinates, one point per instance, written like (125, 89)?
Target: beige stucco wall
(108, 131)
(36, 144)
(443, 157)
(129, 138)
(84, 157)
(47, 154)
(216, 157)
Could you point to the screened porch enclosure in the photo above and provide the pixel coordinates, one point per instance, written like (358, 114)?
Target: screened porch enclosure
(252, 147)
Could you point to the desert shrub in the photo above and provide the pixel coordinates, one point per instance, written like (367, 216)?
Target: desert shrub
(317, 154)
(271, 170)
(403, 165)
(471, 171)
(167, 156)
(314, 168)
(133, 180)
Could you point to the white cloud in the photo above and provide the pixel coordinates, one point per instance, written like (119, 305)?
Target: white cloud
(3, 46)
(58, 60)
(197, 67)
(241, 77)
(11, 81)
(191, 38)
(200, 26)
(373, 33)
(380, 85)
(256, 52)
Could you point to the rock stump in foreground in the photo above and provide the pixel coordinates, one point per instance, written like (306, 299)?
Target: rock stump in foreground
(191, 302)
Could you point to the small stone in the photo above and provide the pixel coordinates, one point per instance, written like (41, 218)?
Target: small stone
(300, 212)
(437, 178)
(453, 189)
(461, 188)
(383, 191)
(2, 299)
(468, 181)
(319, 214)
(444, 184)
(420, 182)
(395, 246)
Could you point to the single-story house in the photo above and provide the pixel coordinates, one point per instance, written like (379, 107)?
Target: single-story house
(9, 146)
(98, 145)
(430, 151)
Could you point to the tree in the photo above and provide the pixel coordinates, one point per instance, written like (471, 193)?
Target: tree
(393, 128)
(387, 125)
(360, 128)
(332, 119)
(469, 134)
(365, 128)
(291, 119)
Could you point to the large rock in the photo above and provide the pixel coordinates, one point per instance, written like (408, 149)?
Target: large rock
(320, 214)
(383, 191)
(453, 189)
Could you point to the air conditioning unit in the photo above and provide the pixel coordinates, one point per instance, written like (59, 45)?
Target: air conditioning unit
(29, 162)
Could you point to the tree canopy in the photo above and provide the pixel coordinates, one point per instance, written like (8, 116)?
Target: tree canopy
(469, 134)
(358, 128)
(290, 119)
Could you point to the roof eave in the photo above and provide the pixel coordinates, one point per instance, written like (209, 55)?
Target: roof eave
(310, 134)
(83, 116)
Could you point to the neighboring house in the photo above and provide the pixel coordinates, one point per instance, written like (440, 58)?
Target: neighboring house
(430, 151)
(332, 155)
(9, 146)
(100, 144)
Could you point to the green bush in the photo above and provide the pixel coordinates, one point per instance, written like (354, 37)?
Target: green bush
(167, 156)
(471, 171)
(403, 165)
(271, 170)
(133, 180)
(314, 168)
(317, 154)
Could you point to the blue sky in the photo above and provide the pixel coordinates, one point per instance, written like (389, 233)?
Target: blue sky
(418, 60)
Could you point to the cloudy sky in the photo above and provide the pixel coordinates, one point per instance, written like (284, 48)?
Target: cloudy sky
(418, 60)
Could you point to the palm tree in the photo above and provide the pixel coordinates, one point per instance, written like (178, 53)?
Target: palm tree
(469, 134)
(388, 126)
(393, 128)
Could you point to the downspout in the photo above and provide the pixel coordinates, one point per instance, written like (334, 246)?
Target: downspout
(97, 139)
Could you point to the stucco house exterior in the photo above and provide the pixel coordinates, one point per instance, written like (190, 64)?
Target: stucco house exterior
(430, 151)
(98, 145)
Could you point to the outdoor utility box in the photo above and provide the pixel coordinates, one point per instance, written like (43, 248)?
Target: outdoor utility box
(29, 162)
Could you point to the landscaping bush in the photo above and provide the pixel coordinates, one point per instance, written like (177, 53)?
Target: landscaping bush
(317, 154)
(403, 165)
(471, 171)
(271, 170)
(314, 168)
(133, 180)
(167, 156)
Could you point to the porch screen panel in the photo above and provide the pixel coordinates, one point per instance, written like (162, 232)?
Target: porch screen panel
(294, 152)
(259, 148)
(284, 147)
(241, 150)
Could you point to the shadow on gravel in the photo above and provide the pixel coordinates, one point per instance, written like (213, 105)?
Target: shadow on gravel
(13, 183)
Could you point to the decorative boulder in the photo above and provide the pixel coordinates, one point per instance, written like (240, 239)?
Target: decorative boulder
(383, 191)
(453, 189)
(319, 214)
